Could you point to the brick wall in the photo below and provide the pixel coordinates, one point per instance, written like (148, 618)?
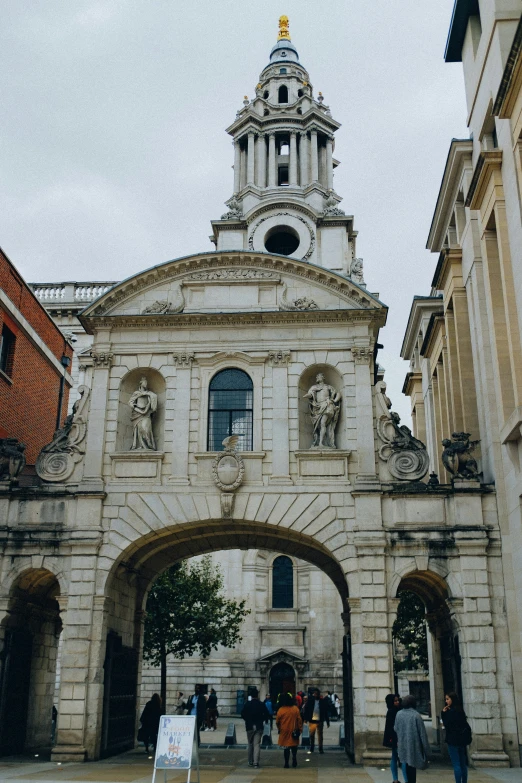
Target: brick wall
(29, 396)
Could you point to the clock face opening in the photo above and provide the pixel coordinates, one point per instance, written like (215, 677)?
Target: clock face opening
(282, 240)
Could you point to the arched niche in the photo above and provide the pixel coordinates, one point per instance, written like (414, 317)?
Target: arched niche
(308, 379)
(128, 386)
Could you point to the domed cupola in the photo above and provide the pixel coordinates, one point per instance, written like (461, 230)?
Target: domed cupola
(284, 200)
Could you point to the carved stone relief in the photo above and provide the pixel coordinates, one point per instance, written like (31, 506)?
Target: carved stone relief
(303, 303)
(164, 307)
(330, 206)
(357, 271)
(234, 210)
(12, 459)
(457, 458)
(232, 274)
(228, 472)
(406, 456)
(57, 460)
(183, 358)
(362, 354)
(278, 358)
(102, 358)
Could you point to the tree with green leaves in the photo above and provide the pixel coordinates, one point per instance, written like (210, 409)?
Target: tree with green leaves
(409, 630)
(187, 613)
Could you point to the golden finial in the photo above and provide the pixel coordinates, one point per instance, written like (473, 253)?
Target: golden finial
(284, 31)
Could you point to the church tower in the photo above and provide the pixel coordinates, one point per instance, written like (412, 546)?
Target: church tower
(284, 200)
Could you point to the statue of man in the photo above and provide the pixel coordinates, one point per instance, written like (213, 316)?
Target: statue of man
(143, 403)
(325, 407)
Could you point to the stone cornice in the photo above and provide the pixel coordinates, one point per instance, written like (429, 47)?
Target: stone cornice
(511, 82)
(177, 269)
(411, 379)
(459, 155)
(421, 306)
(250, 120)
(436, 321)
(488, 162)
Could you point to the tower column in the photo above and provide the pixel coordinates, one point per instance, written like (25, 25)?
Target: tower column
(261, 161)
(271, 160)
(250, 158)
(303, 159)
(315, 158)
(293, 159)
(237, 166)
(329, 162)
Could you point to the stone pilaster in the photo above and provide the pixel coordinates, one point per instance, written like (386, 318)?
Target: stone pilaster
(272, 171)
(237, 166)
(180, 436)
(261, 161)
(293, 159)
(94, 443)
(303, 159)
(251, 158)
(363, 358)
(314, 156)
(329, 162)
(280, 360)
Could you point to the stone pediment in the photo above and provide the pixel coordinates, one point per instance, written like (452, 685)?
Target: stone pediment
(265, 662)
(222, 283)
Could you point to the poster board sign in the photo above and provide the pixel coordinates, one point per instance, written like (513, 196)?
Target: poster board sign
(177, 745)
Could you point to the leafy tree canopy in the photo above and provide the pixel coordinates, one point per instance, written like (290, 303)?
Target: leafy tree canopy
(409, 630)
(187, 613)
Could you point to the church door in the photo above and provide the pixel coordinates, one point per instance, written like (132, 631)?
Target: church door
(15, 676)
(282, 680)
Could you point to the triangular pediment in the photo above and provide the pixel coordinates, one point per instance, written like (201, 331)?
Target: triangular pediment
(232, 282)
(281, 655)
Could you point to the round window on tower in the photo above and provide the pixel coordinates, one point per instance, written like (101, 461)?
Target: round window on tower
(282, 240)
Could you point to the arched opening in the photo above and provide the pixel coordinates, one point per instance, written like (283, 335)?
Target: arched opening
(282, 680)
(30, 635)
(139, 566)
(427, 660)
(266, 94)
(282, 240)
(230, 409)
(282, 94)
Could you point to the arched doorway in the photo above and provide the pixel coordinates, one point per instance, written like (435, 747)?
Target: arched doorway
(30, 635)
(282, 680)
(131, 577)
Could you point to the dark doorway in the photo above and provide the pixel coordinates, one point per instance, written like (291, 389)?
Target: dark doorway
(119, 703)
(15, 676)
(282, 680)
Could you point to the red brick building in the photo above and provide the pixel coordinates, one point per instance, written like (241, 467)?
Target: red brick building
(33, 353)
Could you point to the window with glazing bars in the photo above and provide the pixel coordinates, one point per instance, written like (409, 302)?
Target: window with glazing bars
(230, 409)
(282, 583)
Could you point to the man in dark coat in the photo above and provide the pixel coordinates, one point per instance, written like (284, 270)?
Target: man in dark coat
(197, 705)
(255, 715)
(316, 713)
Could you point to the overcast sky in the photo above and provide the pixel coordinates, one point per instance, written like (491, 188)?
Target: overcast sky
(114, 155)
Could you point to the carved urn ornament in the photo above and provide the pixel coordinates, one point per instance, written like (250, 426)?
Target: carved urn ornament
(57, 460)
(457, 458)
(228, 471)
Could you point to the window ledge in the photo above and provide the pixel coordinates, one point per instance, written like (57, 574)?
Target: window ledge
(6, 377)
(244, 454)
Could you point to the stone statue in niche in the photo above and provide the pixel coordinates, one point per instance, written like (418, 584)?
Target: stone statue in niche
(325, 407)
(144, 404)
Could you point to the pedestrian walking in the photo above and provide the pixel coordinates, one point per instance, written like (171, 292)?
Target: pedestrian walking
(255, 714)
(197, 705)
(316, 713)
(290, 725)
(389, 740)
(270, 708)
(337, 705)
(412, 741)
(458, 735)
(180, 704)
(150, 721)
(212, 711)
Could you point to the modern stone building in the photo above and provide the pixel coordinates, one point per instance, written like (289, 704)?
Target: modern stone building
(232, 400)
(463, 340)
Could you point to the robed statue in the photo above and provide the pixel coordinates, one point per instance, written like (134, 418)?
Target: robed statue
(144, 404)
(325, 407)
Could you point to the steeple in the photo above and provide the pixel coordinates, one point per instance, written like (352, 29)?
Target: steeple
(283, 195)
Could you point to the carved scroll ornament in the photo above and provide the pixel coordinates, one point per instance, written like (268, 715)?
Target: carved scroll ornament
(406, 456)
(57, 460)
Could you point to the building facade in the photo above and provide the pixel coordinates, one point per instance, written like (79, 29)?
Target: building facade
(232, 401)
(463, 340)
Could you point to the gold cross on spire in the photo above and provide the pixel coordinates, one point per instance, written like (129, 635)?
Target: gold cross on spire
(284, 31)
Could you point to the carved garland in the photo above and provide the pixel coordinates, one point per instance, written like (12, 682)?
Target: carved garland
(285, 214)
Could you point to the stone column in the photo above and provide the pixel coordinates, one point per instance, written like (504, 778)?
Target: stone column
(251, 158)
(237, 166)
(261, 161)
(329, 163)
(293, 159)
(272, 179)
(93, 461)
(243, 169)
(303, 159)
(180, 435)
(314, 155)
(363, 357)
(280, 432)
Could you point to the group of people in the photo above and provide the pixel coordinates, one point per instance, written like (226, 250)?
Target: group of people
(203, 706)
(405, 734)
(290, 714)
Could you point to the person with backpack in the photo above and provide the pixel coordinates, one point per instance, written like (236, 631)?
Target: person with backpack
(255, 715)
(458, 735)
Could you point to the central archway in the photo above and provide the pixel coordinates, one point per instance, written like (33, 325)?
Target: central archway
(131, 576)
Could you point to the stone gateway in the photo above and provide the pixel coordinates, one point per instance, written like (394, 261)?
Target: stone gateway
(272, 344)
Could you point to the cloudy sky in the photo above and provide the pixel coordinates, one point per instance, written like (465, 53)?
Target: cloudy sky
(113, 151)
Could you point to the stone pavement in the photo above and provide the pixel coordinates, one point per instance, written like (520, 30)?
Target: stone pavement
(222, 765)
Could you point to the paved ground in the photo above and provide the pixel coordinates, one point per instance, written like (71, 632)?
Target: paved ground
(220, 765)
(331, 735)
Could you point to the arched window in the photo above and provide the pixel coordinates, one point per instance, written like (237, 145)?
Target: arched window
(282, 583)
(230, 409)
(283, 94)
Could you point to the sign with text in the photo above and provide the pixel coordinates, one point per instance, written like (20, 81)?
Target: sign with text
(177, 746)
